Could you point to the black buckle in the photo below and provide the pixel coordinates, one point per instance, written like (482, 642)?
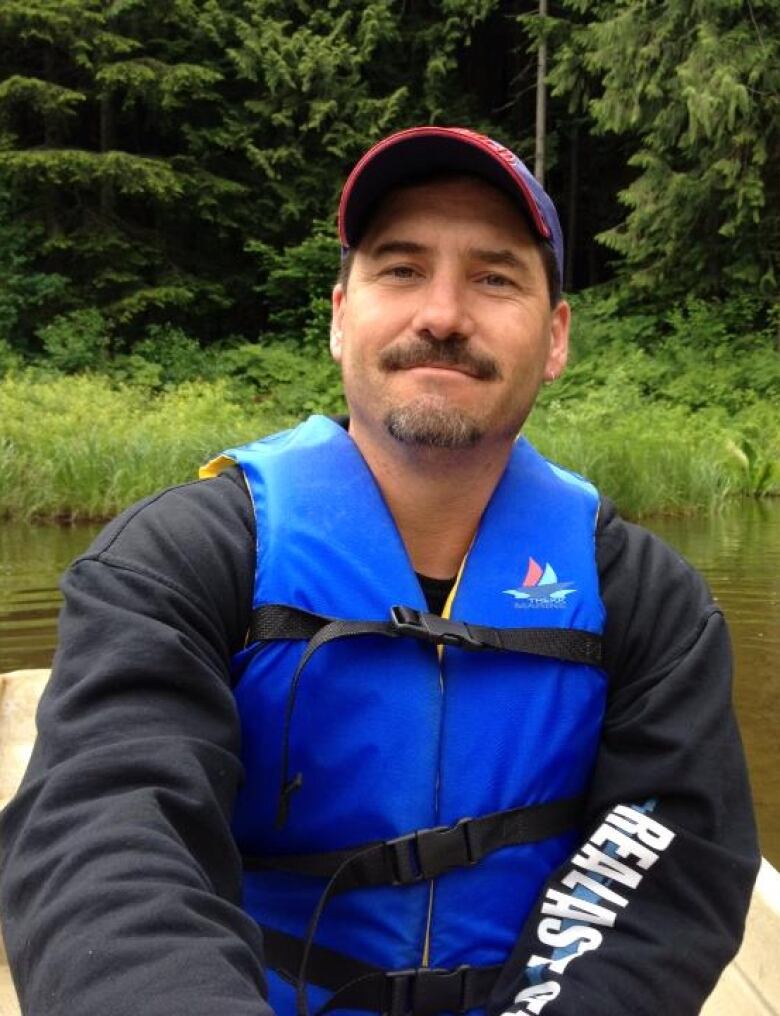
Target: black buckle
(399, 992)
(405, 859)
(426, 991)
(445, 847)
(427, 853)
(431, 628)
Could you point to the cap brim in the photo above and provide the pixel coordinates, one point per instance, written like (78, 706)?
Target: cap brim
(410, 158)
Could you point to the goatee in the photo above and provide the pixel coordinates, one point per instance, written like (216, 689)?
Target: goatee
(429, 422)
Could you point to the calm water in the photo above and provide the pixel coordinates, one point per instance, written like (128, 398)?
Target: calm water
(738, 551)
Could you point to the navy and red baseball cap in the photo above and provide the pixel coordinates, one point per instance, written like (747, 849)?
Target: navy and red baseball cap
(421, 151)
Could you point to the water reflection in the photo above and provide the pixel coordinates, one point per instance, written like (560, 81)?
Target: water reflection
(31, 560)
(737, 550)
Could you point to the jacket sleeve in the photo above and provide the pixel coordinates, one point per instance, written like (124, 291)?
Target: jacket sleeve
(120, 878)
(651, 907)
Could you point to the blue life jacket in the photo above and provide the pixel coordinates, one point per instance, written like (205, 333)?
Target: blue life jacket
(389, 736)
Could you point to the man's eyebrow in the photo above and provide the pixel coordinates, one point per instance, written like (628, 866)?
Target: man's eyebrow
(499, 257)
(397, 247)
(504, 257)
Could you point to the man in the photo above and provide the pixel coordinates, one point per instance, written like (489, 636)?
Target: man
(421, 706)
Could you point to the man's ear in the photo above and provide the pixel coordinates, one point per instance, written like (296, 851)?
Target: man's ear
(558, 352)
(337, 315)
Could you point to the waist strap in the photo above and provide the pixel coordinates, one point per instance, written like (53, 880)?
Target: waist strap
(424, 991)
(428, 853)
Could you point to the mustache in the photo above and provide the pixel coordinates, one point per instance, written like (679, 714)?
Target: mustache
(452, 352)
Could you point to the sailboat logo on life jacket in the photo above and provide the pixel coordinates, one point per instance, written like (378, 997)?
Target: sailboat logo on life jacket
(541, 588)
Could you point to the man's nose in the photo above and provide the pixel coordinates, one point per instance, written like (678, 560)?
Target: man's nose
(443, 310)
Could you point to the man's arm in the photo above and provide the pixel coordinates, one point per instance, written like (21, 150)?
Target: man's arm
(121, 880)
(644, 916)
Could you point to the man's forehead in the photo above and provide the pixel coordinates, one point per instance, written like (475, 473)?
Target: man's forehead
(475, 205)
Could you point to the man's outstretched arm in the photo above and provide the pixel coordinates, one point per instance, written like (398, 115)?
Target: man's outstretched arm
(121, 880)
(651, 907)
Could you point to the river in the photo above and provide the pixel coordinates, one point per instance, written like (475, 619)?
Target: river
(737, 550)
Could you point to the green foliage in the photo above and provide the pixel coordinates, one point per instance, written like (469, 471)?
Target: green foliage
(76, 341)
(296, 284)
(286, 383)
(698, 86)
(648, 459)
(10, 360)
(177, 356)
(22, 290)
(131, 175)
(179, 163)
(761, 470)
(142, 142)
(93, 448)
(671, 414)
(48, 100)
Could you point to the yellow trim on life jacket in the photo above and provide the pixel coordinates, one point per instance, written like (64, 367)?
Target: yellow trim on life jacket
(215, 467)
(454, 591)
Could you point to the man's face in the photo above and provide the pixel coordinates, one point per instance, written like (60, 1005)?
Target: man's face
(446, 332)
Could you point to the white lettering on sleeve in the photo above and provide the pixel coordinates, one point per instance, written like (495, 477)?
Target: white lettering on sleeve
(575, 878)
(627, 833)
(558, 904)
(550, 933)
(626, 847)
(535, 998)
(592, 859)
(646, 829)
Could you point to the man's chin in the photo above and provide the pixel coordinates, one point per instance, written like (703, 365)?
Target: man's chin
(429, 423)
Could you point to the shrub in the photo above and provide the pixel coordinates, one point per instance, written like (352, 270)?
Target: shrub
(296, 283)
(76, 341)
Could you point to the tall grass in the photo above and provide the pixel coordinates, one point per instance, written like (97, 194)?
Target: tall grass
(77, 447)
(84, 447)
(652, 460)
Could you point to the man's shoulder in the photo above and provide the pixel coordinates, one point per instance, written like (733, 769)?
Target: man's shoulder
(182, 515)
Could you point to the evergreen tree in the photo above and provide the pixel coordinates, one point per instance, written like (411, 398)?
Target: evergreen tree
(698, 87)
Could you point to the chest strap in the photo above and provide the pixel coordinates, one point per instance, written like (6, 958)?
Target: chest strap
(280, 622)
(424, 991)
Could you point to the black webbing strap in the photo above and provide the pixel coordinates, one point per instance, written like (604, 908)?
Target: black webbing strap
(428, 853)
(277, 621)
(424, 991)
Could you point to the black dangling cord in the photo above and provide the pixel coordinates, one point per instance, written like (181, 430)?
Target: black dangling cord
(328, 633)
(301, 1000)
(288, 789)
(289, 786)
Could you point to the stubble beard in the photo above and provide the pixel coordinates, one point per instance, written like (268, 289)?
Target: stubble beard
(429, 422)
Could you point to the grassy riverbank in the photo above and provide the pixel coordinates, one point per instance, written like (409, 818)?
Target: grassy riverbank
(675, 427)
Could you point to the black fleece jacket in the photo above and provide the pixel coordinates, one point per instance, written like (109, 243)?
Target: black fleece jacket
(120, 880)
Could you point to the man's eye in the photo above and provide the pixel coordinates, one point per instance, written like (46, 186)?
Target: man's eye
(400, 271)
(494, 279)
